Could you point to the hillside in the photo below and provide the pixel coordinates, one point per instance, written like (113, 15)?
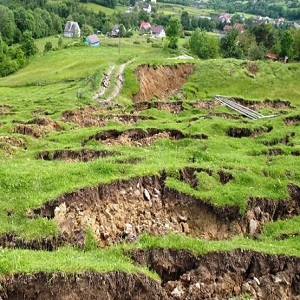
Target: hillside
(161, 192)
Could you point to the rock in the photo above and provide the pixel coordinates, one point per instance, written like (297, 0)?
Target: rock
(177, 292)
(137, 193)
(253, 227)
(147, 195)
(128, 228)
(197, 285)
(182, 218)
(185, 228)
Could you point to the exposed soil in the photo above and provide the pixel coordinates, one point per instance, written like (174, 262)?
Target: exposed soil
(138, 137)
(161, 81)
(126, 208)
(173, 107)
(294, 120)
(88, 285)
(189, 175)
(239, 132)
(217, 275)
(92, 116)
(204, 104)
(224, 275)
(8, 144)
(10, 240)
(83, 155)
(38, 127)
(277, 104)
(4, 109)
(283, 140)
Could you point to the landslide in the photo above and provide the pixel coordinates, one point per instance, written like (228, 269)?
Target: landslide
(123, 210)
(161, 81)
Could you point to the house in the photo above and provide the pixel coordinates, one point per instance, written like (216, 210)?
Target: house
(153, 1)
(115, 30)
(157, 31)
(146, 7)
(72, 30)
(237, 26)
(92, 40)
(145, 26)
(271, 55)
(225, 18)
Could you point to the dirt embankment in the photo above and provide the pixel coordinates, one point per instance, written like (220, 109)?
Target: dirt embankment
(161, 81)
(124, 209)
(218, 275)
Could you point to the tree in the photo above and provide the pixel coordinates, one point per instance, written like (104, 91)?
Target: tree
(229, 46)
(173, 32)
(286, 43)
(265, 34)
(202, 45)
(86, 30)
(185, 20)
(27, 44)
(7, 24)
(48, 47)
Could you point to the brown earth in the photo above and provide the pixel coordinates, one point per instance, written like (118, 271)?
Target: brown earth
(161, 81)
(224, 275)
(37, 127)
(218, 275)
(8, 144)
(173, 107)
(92, 116)
(83, 155)
(239, 132)
(294, 120)
(124, 209)
(138, 137)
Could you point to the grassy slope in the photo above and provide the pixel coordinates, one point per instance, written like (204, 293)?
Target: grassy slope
(51, 82)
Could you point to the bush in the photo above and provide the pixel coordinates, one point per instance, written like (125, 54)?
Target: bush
(48, 47)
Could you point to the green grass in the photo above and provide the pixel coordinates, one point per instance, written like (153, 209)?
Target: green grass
(48, 87)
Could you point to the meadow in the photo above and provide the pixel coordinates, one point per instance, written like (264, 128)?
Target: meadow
(49, 86)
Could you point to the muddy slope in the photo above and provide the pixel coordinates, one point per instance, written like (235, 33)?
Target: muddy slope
(224, 275)
(161, 81)
(124, 209)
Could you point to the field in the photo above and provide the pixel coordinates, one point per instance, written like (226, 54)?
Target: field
(91, 185)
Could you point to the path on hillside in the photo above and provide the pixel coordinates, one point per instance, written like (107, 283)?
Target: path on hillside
(106, 82)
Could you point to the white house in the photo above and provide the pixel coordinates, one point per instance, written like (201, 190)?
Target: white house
(157, 31)
(72, 29)
(146, 7)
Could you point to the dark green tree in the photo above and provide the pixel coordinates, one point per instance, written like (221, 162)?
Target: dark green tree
(203, 45)
(229, 45)
(173, 32)
(7, 25)
(287, 42)
(27, 44)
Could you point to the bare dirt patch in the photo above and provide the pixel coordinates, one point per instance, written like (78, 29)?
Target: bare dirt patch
(4, 109)
(206, 104)
(239, 132)
(223, 275)
(173, 107)
(126, 208)
(88, 285)
(161, 81)
(9, 144)
(38, 127)
(92, 116)
(10, 240)
(277, 104)
(83, 155)
(138, 137)
(291, 121)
